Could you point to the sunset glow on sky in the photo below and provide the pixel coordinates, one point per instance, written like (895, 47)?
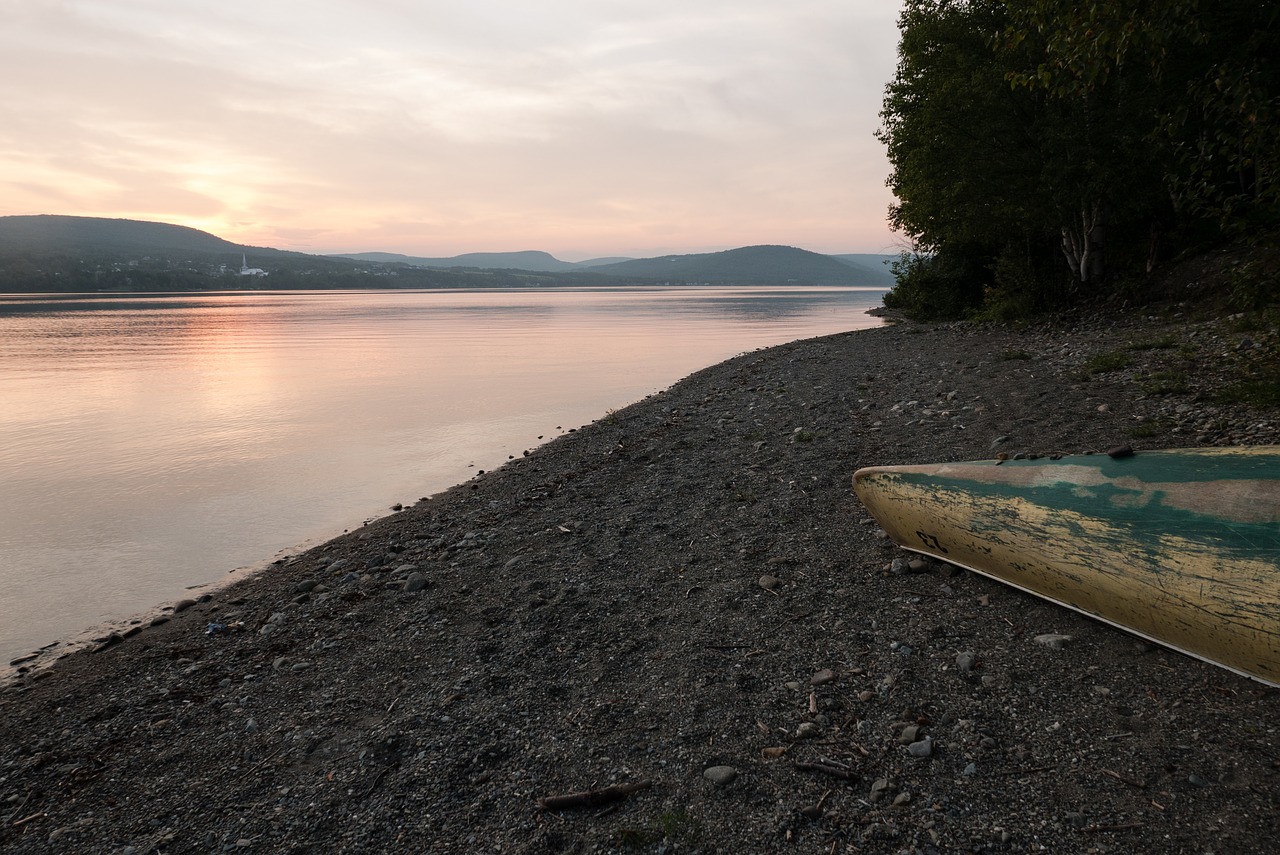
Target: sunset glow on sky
(580, 127)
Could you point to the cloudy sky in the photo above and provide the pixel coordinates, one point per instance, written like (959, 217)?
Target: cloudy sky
(436, 127)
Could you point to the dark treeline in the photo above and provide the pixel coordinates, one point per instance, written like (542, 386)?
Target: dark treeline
(1050, 151)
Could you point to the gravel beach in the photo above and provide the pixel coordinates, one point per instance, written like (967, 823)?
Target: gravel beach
(682, 610)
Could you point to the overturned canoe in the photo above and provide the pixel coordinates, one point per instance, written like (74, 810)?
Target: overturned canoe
(1181, 547)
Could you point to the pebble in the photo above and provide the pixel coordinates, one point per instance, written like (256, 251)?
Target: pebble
(808, 730)
(770, 583)
(965, 660)
(414, 582)
(921, 749)
(720, 775)
(183, 605)
(1053, 640)
(821, 678)
(879, 789)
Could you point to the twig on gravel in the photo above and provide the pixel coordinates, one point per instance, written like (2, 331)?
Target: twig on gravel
(27, 819)
(925, 594)
(591, 798)
(824, 769)
(1012, 772)
(1122, 779)
(794, 618)
(17, 810)
(377, 779)
(259, 764)
(1124, 826)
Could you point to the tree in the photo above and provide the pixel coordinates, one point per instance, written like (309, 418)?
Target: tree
(1020, 131)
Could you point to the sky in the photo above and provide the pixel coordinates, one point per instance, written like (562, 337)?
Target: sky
(583, 128)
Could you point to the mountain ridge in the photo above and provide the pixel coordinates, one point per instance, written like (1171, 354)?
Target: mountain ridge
(55, 252)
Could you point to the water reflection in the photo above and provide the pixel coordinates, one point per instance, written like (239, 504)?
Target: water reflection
(148, 444)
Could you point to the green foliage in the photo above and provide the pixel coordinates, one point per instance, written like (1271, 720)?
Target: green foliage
(1146, 430)
(1103, 363)
(1252, 286)
(1163, 343)
(1025, 134)
(675, 826)
(937, 287)
(1165, 383)
(1261, 391)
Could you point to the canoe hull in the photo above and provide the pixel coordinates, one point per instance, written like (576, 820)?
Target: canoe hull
(1180, 547)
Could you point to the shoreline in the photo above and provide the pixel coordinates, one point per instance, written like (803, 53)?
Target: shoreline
(685, 585)
(118, 558)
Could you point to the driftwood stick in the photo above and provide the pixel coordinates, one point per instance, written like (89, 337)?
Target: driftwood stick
(834, 772)
(1122, 779)
(1123, 826)
(591, 798)
(27, 819)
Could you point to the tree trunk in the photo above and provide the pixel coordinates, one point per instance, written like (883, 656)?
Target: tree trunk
(1083, 248)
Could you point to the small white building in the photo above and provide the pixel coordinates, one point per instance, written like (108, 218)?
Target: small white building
(246, 270)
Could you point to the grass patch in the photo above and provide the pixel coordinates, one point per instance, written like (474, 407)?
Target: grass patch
(1246, 322)
(1260, 393)
(1012, 355)
(1103, 363)
(673, 825)
(1166, 383)
(1146, 430)
(1166, 343)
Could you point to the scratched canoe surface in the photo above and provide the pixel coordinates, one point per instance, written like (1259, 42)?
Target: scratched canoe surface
(1181, 547)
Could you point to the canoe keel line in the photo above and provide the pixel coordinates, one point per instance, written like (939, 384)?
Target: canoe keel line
(1180, 547)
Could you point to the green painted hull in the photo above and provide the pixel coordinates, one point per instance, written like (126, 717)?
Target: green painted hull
(1181, 547)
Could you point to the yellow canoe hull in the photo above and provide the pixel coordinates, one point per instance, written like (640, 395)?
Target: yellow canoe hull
(1180, 547)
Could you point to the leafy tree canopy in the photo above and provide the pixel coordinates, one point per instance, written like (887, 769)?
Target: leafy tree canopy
(1044, 150)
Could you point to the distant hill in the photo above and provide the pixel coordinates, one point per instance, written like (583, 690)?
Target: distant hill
(52, 233)
(877, 263)
(597, 262)
(51, 252)
(527, 260)
(778, 265)
(63, 253)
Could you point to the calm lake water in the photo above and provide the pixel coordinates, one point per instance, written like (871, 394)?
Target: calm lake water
(149, 443)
